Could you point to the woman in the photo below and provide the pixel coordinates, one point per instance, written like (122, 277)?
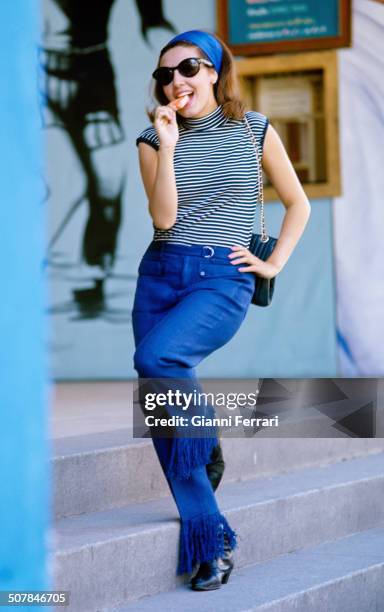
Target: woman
(197, 277)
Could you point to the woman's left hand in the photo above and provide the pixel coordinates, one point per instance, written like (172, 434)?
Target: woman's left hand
(256, 265)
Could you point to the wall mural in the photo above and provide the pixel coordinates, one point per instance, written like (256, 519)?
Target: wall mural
(77, 94)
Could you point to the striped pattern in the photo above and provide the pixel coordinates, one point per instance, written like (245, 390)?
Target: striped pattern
(216, 179)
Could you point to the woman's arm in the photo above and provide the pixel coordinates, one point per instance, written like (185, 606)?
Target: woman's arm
(158, 175)
(157, 168)
(283, 177)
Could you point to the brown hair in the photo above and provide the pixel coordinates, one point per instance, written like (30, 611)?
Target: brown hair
(226, 89)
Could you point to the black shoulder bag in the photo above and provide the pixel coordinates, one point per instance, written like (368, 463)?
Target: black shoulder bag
(261, 245)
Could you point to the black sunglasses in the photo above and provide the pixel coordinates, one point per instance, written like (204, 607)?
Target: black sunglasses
(187, 67)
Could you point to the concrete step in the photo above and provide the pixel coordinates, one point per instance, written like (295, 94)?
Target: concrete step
(346, 575)
(108, 470)
(108, 558)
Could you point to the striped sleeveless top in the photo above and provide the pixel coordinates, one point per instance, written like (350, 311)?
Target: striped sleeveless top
(216, 173)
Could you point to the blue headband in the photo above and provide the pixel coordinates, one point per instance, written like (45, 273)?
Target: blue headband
(206, 42)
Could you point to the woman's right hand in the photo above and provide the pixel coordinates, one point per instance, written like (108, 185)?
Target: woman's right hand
(165, 122)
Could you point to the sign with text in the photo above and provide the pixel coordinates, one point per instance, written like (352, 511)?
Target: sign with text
(251, 27)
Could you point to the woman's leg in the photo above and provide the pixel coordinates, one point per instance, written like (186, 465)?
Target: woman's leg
(207, 315)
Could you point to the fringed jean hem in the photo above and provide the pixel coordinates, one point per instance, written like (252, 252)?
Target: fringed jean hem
(202, 539)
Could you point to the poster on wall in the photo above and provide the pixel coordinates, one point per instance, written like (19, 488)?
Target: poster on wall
(83, 111)
(253, 27)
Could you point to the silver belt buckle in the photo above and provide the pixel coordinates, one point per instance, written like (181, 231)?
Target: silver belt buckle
(212, 251)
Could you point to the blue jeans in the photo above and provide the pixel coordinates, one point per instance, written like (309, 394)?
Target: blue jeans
(189, 301)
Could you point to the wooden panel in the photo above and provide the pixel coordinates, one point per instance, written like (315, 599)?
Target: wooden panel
(250, 70)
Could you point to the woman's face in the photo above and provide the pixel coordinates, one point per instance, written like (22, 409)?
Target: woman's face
(201, 99)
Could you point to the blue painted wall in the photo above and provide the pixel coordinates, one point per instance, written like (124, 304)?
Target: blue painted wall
(23, 452)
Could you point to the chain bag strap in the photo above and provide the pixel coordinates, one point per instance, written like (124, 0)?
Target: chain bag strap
(261, 244)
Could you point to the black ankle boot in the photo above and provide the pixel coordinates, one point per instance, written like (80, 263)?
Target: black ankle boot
(211, 575)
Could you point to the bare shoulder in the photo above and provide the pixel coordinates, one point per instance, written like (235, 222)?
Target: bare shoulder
(273, 145)
(148, 165)
(147, 151)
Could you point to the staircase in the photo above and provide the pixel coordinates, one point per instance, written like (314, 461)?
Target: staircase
(309, 514)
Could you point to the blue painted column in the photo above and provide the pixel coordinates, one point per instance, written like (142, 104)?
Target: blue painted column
(24, 471)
